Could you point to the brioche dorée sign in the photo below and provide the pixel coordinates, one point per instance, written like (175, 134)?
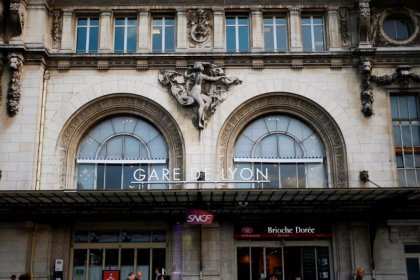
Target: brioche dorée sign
(199, 217)
(282, 231)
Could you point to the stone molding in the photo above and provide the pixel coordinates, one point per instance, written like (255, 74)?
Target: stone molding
(104, 107)
(344, 27)
(294, 105)
(404, 230)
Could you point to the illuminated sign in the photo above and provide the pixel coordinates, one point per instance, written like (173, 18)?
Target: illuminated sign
(199, 217)
(283, 231)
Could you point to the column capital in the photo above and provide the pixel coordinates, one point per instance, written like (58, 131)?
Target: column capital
(295, 10)
(181, 10)
(218, 11)
(105, 13)
(67, 12)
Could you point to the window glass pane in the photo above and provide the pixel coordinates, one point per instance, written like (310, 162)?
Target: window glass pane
(230, 21)
(169, 21)
(243, 21)
(79, 264)
(157, 21)
(268, 21)
(111, 259)
(93, 40)
(416, 136)
(81, 236)
(88, 148)
(81, 39)
(269, 147)
(317, 20)
(94, 22)
(100, 176)
(315, 175)
(95, 263)
(268, 38)
(119, 39)
(243, 147)
(411, 178)
(389, 28)
(131, 39)
(131, 147)
(323, 263)
(306, 20)
(157, 39)
(237, 175)
(394, 107)
(401, 178)
(129, 170)
(159, 236)
(158, 258)
(120, 21)
(403, 107)
(412, 107)
(82, 21)
(319, 38)
(114, 148)
(416, 160)
(397, 135)
(113, 176)
(406, 135)
(127, 261)
(169, 39)
(412, 249)
(143, 262)
(257, 263)
(104, 236)
(103, 131)
(313, 146)
(293, 262)
(306, 38)
(400, 161)
(288, 175)
(273, 175)
(301, 177)
(255, 130)
(243, 261)
(132, 21)
(409, 160)
(413, 268)
(243, 38)
(158, 148)
(274, 261)
(286, 146)
(309, 263)
(281, 38)
(230, 39)
(86, 176)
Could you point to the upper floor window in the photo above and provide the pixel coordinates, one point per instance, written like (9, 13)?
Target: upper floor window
(286, 149)
(412, 260)
(237, 33)
(398, 27)
(406, 129)
(115, 150)
(163, 34)
(87, 35)
(313, 33)
(125, 34)
(275, 33)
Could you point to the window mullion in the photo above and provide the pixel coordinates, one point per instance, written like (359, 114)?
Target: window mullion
(125, 34)
(237, 34)
(87, 35)
(275, 33)
(312, 33)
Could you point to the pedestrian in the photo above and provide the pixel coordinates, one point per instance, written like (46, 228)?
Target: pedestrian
(13, 277)
(360, 273)
(131, 276)
(25, 276)
(138, 275)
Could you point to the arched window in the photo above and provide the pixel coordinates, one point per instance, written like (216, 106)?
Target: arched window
(285, 149)
(117, 151)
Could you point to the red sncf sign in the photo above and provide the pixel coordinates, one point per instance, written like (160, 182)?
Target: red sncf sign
(199, 217)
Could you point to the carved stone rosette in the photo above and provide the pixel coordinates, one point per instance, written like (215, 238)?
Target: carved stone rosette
(57, 27)
(204, 84)
(15, 83)
(344, 27)
(200, 27)
(366, 95)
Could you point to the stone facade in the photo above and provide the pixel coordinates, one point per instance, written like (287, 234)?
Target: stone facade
(50, 100)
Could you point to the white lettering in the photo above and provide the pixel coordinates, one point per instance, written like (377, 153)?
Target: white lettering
(263, 176)
(199, 218)
(279, 230)
(232, 172)
(242, 174)
(195, 173)
(165, 174)
(177, 173)
(153, 175)
(207, 174)
(139, 174)
(305, 230)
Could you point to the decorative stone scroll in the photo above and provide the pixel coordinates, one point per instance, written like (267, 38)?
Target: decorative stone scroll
(204, 84)
(200, 27)
(15, 83)
(57, 27)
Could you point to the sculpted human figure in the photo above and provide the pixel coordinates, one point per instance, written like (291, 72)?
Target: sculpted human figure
(204, 84)
(203, 100)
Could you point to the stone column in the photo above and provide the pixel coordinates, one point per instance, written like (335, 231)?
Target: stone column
(219, 44)
(105, 32)
(178, 252)
(257, 30)
(181, 30)
(67, 40)
(144, 32)
(295, 30)
(333, 30)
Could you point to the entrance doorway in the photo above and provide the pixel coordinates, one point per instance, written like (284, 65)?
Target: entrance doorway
(285, 262)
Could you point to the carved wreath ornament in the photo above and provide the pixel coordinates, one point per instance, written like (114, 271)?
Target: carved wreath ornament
(204, 84)
(199, 26)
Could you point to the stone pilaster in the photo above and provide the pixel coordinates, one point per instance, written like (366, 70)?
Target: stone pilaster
(143, 44)
(67, 40)
(181, 30)
(333, 30)
(295, 30)
(105, 38)
(219, 44)
(257, 27)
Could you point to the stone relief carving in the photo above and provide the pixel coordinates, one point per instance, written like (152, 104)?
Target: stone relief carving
(364, 21)
(378, 36)
(14, 21)
(204, 84)
(199, 27)
(402, 76)
(367, 93)
(344, 26)
(56, 30)
(14, 92)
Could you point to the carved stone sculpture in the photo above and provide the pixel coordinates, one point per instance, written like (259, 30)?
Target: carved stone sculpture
(56, 30)
(402, 75)
(204, 84)
(367, 93)
(14, 93)
(364, 22)
(344, 26)
(199, 27)
(12, 18)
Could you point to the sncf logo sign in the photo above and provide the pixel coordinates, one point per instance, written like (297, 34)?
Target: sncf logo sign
(199, 217)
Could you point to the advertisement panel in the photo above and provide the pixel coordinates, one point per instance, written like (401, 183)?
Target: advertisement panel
(280, 231)
(199, 217)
